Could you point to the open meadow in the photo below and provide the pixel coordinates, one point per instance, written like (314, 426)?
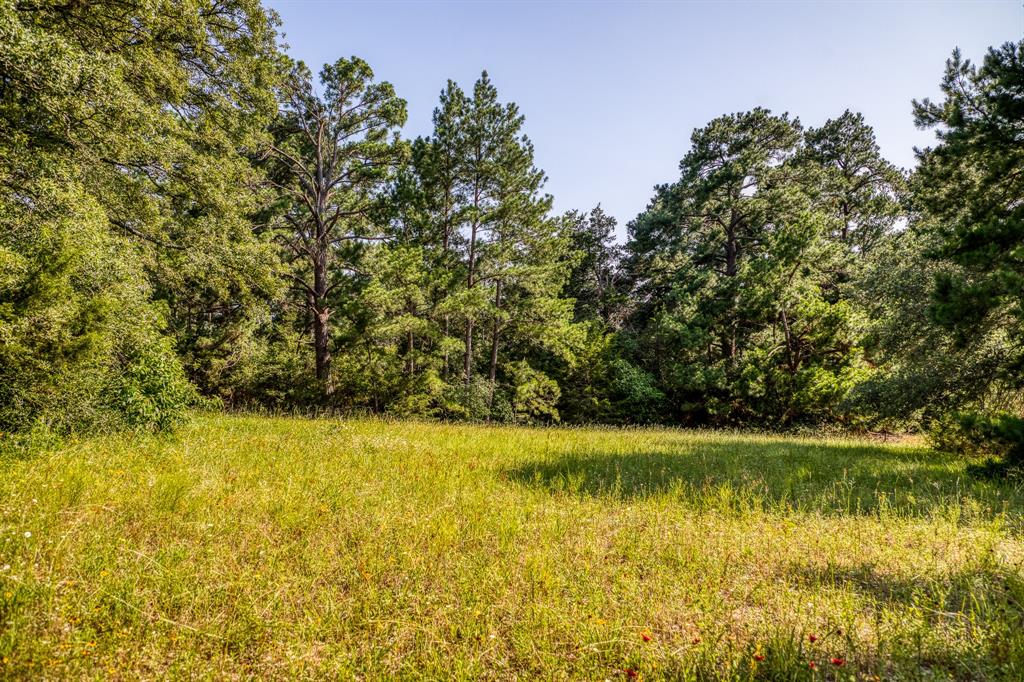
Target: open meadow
(252, 547)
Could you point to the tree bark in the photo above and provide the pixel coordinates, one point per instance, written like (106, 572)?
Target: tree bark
(470, 281)
(321, 324)
(495, 338)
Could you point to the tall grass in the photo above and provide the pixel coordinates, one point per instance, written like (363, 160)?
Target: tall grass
(247, 547)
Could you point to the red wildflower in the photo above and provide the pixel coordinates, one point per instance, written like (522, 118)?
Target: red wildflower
(811, 665)
(812, 638)
(836, 661)
(630, 673)
(758, 657)
(646, 636)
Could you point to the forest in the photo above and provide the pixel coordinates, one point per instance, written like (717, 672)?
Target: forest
(189, 218)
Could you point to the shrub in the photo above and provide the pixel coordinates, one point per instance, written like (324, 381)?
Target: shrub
(999, 437)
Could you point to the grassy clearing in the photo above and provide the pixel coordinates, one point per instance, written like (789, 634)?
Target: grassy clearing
(255, 547)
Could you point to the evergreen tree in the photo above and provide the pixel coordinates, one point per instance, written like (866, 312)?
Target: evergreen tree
(860, 190)
(331, 159)
(470, 203)
(726, 265)
(968, 191)
(595, 279)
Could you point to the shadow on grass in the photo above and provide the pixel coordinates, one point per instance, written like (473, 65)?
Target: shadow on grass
(986, 588)
(739, 474)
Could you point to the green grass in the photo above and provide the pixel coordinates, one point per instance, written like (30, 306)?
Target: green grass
(247, 547)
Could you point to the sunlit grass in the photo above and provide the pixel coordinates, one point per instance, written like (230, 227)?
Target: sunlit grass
(271, 547)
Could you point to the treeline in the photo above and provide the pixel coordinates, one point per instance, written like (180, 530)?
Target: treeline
(188, 215)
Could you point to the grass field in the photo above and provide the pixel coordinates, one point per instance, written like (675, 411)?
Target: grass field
(247, 547)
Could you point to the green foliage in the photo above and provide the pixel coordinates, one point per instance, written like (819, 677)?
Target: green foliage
(534, 395)
(123, 182)
(735, 266)
(330, 159)
(967, 190)
(149, 389)
(998, 436)
(595, 281)
(859, 190)
(80, 343)
(921, 372)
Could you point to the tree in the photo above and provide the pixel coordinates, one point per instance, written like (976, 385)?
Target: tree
(727, 266)
(968, 191)
(859, 189)
(472, 204)
(595, 278)
(123, 175)
(331, 159)
(429, 204)
(921, 374)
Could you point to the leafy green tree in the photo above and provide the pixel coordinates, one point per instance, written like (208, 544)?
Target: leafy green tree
(860, 190)
(921, 374)
(332, 157)
(124, 178)
(472, 203)
(429, 203)
(968, 189)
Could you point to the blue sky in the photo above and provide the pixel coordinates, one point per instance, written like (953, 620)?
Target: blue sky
(612, 90)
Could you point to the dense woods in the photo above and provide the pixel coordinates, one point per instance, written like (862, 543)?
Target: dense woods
(188, 216)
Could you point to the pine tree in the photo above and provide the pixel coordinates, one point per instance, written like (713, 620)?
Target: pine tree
(595, 279)
(860, 189)
(331, 160)
(967, 190)
(726, 268)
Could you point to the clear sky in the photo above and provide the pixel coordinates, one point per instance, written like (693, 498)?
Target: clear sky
(612, 90)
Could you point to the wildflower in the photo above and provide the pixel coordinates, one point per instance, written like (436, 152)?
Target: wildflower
(646, 636)
(631, 674)
(758, 657)
(836, 661)
(811, 665)
(812, 638)
(28, 533)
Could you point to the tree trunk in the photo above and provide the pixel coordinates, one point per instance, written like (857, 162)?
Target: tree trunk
(470, 282)
(321, 324)
(468, 361)
(731, 270)
(495, 338)
(410, 348)
(731, 249)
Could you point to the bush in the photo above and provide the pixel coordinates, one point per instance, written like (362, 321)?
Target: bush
(81, 346)
(149, 390)
(999, 437)
(534, 394)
